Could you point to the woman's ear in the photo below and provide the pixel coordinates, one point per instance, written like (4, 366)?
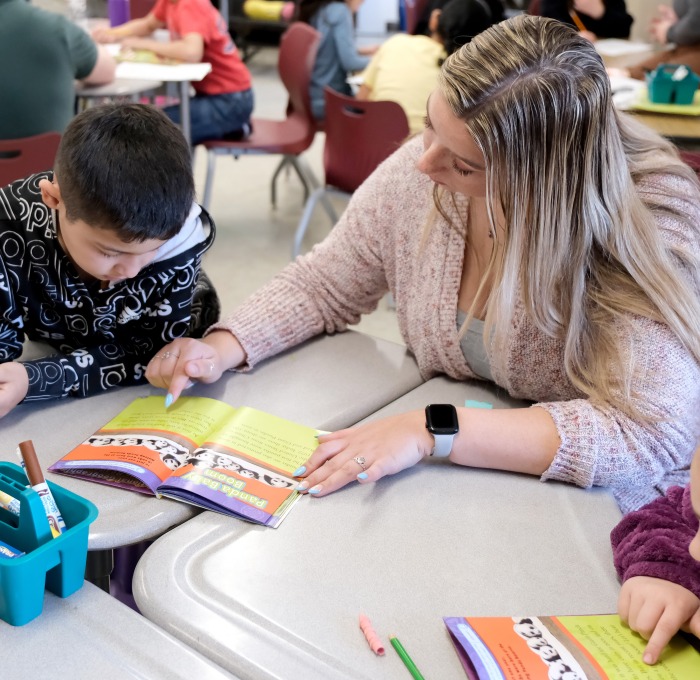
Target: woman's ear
(50, 193)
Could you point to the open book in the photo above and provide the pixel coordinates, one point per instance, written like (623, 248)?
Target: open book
(237, 461)
(563, 648)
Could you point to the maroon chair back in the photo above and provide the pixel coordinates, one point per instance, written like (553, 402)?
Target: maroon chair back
(20, 158)
(692, 158)
(534, 7)
(295, 63)
(359, 136)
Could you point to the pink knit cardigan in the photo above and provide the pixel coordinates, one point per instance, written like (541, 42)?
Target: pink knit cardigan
(375, 248)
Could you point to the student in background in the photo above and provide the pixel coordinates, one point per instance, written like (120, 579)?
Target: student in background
(494, 8)
(42, 54)
(593, 18)
(405, 67)
(678, 26)
(223, 102)
(534, 238)
(657, 556)
(101, 259)
(337, 55)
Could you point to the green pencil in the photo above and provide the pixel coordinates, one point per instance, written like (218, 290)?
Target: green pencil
(407, 660)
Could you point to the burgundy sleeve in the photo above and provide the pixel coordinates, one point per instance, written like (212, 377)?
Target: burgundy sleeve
(653, 541)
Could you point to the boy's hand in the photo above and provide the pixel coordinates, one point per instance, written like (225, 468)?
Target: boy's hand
(187, 359)
(14, 384)
(657, 610)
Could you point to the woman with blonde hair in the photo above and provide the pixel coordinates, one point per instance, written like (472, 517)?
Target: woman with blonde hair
(534, 237)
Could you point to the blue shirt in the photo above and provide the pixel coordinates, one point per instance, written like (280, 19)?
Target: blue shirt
(337, 54)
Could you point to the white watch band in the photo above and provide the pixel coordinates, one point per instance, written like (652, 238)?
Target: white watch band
(443, 445)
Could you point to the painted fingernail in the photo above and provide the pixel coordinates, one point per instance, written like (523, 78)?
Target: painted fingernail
(362, 475)
(299, 471)
(190, 383)
(303, 486)
(168, 400)
(316, 489)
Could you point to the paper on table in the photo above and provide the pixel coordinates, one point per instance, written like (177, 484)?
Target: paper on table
(626, 91)
(642, 103)
(167, 72)
(614, 47)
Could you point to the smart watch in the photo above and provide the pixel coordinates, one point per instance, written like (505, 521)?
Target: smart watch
(441, 421)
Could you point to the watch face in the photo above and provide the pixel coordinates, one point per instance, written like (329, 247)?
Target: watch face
(442, 419)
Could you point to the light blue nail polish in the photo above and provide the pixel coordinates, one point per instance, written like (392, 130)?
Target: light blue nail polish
(299, 471)
(315, 490)
(303, 486)
(362, 475)
(168, 400)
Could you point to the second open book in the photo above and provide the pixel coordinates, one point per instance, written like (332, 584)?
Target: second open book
(236, 461)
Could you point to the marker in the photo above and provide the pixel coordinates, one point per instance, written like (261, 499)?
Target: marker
(38, 483)
(9, 503)
(407, 660)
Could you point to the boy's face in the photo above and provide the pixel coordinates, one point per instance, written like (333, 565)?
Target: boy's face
(694, 547)
(99, 253)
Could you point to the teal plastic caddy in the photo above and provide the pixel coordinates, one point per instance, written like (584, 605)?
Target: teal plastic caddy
(54, 563)
(672, 84)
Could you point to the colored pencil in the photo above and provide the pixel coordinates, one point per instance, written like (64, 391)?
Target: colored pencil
(577, 20)
(407, 660)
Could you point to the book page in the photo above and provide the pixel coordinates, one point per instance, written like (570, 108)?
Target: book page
(570, 647)
(145, 441)
(245, 467)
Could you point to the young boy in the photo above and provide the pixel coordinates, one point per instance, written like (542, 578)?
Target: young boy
(657, 556)
(101, 258)
(224, 99)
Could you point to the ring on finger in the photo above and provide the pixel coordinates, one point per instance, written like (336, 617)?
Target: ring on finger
(167, 355)
(360, 460)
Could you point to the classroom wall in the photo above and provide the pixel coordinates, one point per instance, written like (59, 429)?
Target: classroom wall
(642, 11)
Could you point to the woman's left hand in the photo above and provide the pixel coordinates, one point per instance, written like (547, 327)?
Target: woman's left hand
(379, 448)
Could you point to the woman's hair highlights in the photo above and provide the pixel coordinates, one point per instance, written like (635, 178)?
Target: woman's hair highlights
(580, 244)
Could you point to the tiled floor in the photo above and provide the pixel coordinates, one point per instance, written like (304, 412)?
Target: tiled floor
(254, 240)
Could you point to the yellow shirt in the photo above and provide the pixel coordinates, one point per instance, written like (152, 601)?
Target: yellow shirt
(405, 70)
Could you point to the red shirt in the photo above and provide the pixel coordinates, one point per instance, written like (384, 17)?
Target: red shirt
(228, 73)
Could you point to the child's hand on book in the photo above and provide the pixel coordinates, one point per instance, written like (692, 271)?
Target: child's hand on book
(176, 365)
(657, 609)
(366, 453)
(14, 384)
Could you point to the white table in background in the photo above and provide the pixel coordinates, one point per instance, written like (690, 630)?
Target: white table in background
(329, 382)
(91, 635)
(184, 74)
(435, 540)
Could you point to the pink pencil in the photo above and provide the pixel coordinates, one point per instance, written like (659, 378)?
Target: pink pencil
(375, 644)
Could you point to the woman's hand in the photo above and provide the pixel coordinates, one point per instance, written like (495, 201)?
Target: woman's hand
(383, 447)
(187, 359)
(657, 610)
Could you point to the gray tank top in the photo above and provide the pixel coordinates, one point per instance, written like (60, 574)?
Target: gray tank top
(472, 345)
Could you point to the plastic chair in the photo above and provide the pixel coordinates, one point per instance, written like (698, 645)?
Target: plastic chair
(359, 136)
(289, 137)
(22, 157)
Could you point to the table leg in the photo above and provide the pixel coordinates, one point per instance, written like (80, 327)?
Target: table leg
(99, 567)
(185, 110)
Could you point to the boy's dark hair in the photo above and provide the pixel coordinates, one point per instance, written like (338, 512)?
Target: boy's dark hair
(127, 168)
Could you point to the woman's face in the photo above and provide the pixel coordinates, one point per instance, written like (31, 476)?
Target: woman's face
(450, 156)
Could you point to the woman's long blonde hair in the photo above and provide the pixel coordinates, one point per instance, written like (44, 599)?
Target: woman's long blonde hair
(581, 246)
